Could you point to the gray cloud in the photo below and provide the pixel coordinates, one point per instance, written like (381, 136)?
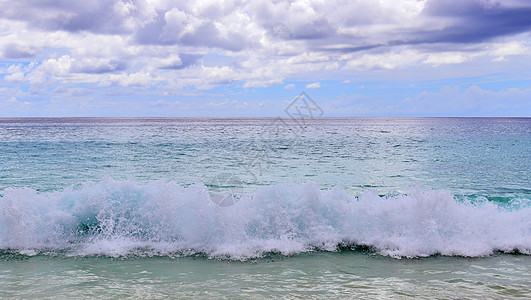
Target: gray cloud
(153, 33)
(91, 67)
(475, 21)
(97, 16)
(159, 32)
(208, 35)
(14, 51)
(452, 22)
(455, 23)
(316, 29)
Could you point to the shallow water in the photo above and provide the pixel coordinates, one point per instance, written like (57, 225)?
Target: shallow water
(315, 275)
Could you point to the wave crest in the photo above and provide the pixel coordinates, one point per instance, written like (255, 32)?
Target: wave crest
(120, 218)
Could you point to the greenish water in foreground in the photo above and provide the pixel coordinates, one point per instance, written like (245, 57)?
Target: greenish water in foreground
(349, 274)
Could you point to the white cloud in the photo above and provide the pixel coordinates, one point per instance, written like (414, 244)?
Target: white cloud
(139, 79)
(14, 77)
(262, 83)
(445, 58)
(314, 85)
(509, 49)
(15, 74)
(289, 86)
(385, 61)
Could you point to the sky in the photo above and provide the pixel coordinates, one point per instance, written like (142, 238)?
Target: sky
(251, 58)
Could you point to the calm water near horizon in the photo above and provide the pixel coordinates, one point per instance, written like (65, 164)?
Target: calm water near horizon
(265, 207)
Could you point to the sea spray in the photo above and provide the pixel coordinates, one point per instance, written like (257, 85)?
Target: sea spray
(121, 218)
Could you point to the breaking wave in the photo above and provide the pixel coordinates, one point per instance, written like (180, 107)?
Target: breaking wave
(122, 218)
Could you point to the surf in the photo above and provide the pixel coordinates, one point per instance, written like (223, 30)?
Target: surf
(162, 218)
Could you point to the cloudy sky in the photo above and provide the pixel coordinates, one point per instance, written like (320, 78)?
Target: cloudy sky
(250, 58)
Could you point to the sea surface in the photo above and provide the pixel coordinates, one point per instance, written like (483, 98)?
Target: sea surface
(265, 207)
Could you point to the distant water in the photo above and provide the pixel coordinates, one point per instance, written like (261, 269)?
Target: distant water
(345, 205)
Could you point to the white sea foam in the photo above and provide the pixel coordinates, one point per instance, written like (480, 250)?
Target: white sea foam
(163, 218)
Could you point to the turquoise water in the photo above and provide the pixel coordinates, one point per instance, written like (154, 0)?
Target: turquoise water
(317, 276)
(464, 155)
(265, 207)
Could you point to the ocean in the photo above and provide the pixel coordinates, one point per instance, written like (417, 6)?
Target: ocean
(265, 207)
